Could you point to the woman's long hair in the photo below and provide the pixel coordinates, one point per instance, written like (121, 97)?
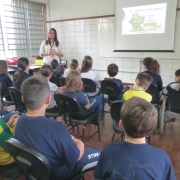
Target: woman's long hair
(55, 38)
(86, 64)
(21, 65)
(151, 65)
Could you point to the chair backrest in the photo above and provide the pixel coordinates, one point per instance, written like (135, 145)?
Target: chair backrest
(35, 164)
(16, 96)
(89, 85)
(62, 81)
(152, 90)
(4, 91)
(116, 110)
(54, 80)
(66, 103)
(110, 88)
(174, 100)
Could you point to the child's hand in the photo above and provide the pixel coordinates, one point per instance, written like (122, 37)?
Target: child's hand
(13, 120)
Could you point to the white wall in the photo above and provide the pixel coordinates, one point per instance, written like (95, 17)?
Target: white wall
(80, 38)
(68, 9)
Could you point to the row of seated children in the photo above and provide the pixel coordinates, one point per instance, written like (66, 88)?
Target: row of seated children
(129, 159)
(150, 67)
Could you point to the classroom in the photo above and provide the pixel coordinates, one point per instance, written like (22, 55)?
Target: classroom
(89, 89)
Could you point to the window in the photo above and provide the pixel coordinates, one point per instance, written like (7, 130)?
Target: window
(22, 27)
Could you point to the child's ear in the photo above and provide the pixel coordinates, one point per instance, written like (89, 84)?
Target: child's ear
(121, 124)
(48, 100)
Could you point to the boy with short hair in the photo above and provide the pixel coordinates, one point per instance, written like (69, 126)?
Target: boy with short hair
(112, 70)
(54, 65)
(142, 83)
(133, 158)
(174, 85)
(66, 154)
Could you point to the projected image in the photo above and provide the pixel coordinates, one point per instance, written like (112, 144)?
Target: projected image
(149, 19)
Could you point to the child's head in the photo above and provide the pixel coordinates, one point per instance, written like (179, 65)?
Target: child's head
(73, 64)
(177, 76)
(151, 65)
(138, 117)
(46, 71)
(142, 81)
(23, 66)
(86, 64)
(112, 70)
(73, 81)
(54, 64)
(35, 91)
(3, 67)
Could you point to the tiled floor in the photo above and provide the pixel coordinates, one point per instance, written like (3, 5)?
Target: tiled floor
(169, 140)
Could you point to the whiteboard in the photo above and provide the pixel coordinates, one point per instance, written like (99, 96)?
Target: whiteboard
(106, 43)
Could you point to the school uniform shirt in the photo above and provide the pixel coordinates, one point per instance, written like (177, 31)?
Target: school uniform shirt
(4, 79)
(5, 133)
(52, 139)
(136, 93)
(119, 82)
(47, 48)
(173, 85)
(23, 78)
(93, 76)
(53, 89)
(124, 160)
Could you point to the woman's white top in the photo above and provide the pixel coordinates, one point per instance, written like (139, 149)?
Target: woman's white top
(93, 76)
(46, 48)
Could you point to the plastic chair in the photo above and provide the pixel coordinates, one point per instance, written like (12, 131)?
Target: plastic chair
(89, 85)
(54, 80)
(16, 96)
(70, 108)
(62, 81)
(35, 165)
(111, 89)
(115, 115)
(5, 96)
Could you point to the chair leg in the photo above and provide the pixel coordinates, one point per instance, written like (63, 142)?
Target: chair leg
(83, 133)
(99, 132)
(113, 137)
(78, 129)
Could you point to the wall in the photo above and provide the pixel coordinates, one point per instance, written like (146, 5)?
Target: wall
(80, 38)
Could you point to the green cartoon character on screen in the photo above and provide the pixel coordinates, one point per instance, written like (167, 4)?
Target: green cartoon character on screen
(136, 22)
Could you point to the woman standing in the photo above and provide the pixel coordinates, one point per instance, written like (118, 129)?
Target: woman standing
(51, 49)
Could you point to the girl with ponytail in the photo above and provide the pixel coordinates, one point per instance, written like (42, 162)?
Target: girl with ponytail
(22, 73)
(152, 67)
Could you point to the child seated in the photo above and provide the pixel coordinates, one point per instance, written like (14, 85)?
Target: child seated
(142, 83)
(66, 154)
(133, 158)
(47, 71)
(6, 131)
(74, 87)
(174, 85)
(54, 64)
(112, 72)
(72, 65)
(4, 78)
(86, 72)
(22, 73)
